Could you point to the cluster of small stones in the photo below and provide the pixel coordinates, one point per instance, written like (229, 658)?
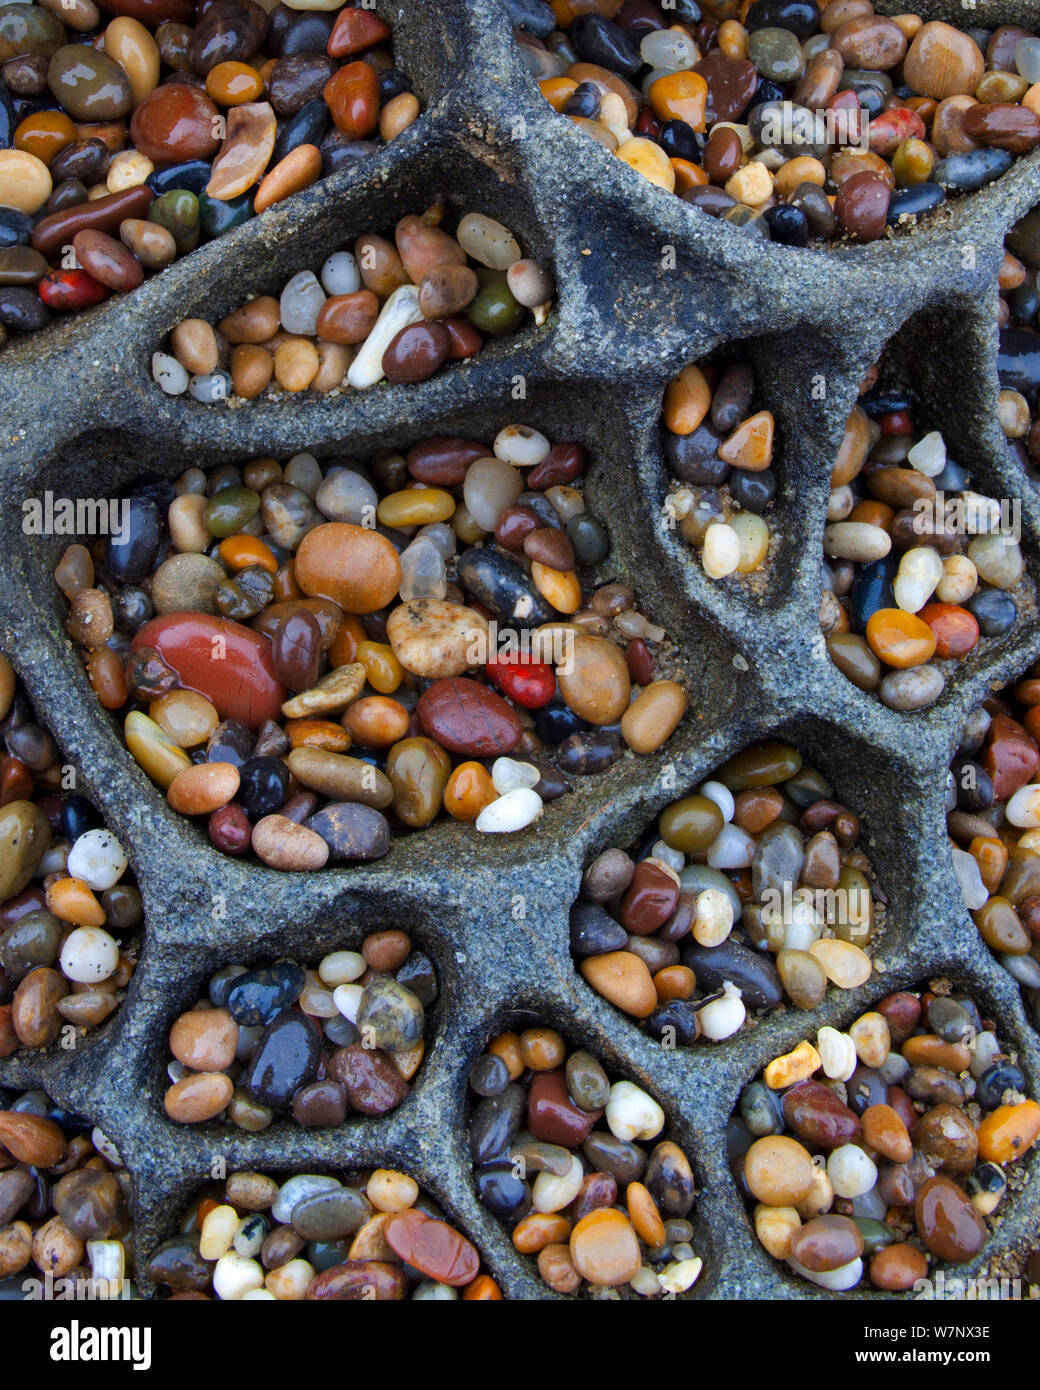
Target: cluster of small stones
(886, 1148)
(918, 567)
(794, 121)
(993, 816)
(754, 894)
(65, 1229)
(599, 1210)
(374, 1238)
(388, 309)
(344, 1038)
(1018, 315)
(126, 142)
(344, 602)
(65, 888)
(722, 455)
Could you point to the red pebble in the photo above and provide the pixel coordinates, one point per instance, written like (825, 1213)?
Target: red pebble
(354, 31)
(230, 830)
(898, 422)
(67, 291)
(16, 781)
(639, 661)
(529, 683)
(892, 127)
(1011, 757)
(561, 465)
(466, 340)
(956, 631)
(852, 121)
(648, 124)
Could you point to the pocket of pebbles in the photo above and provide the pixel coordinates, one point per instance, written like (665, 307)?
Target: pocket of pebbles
(577, 1166)
(373, 1237)
(881, 1152)
(395, 308)
(423, 632)
(721, 453)
(317, 1044)
(169, 128)
(1018, 362)
(796, 123)
(69, 905)
(751, 893)
(920, 570)
(65, 1229)
(993, 820)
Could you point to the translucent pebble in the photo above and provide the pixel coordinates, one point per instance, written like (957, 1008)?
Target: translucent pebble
(303, 471)
(342, 967)
(928, 455)
(960, 580)
(753, 540)
(695, 877)
(439, 534)
(97, 858)
(919, 572)
(168, 372)
(670, 49)
(724, 1016)
(300, 304)
(837, 1280)
(674, 858)
(340, 274)
(210, 387)
(347, 496)
(837, 1053)
(973, 890)
(296, 1189)
(803, 929)
(318, 1003)
(722, 797)
(1024, 969)
(1024, 807)
(645, 1282)
(732, 848)
(713, 921)
(107, 1261)
(258, 1296)
(513, 811)
(218, 1231)
(491, 485)
(234, 1277)
(851, 1171)
(401, 309)
(105, 1147)
(632, 1114)
(429, 1291)
(721, 554)
(520, 445)
(998, 560)
(985, 1049)
(487, 241)
(348, 1000)
(89, 955)
(982, 515)
(1027, 59)
(423, 572)
(507, 774)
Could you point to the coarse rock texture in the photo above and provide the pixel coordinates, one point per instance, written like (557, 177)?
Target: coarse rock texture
(81, 416)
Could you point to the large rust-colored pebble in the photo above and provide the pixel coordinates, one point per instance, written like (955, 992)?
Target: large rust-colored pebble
(897, 1268)
(1011, 756)
(947, 1222)
(884, 1130)
(552, 1117)
(198, 1097)
(31, 1139)
(203, 788)
(943, 62)
(348, 318)
(432, 1247)
(354, 1280)
(204, 1039)
(372, 1083)
(108, 261)
(34, 1009)
(624, 979)
(351, 565)
(284, 844)
(598, 685)
(175, 123)
(819, 1117)
(649, 900)
(605, 1248)
(352, 96)
(246, 151)
(469, 718)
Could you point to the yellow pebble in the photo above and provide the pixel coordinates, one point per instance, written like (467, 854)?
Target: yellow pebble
(128, 169)
(153, 750)
(649, 160)
(561, 588)
(416, 506)
(794, 1066)
(752, 185)
(804, 168)
(753, 534)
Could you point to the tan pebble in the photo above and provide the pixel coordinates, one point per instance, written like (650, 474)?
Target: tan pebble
(16, 1243)
(605, 1249)
(653, 716)
(252, 368)
(597, 686)
(332, 694)
(333, 361)
(283, 844)
(298, 170)
(194, 344)
(397, 115)
(778, 1170)
(55, 1249)
(389, 1190)
(255, 322)
(204, 1039)
(623, 979)
(775, 1228)
(794, 1066)
(872, 1038)
(153, 245)
(296, 364)
(199, 1097)
(25, 181)
(204, 788)
(370, 1242)
(844, 964)
(187, 528)
(435, 639)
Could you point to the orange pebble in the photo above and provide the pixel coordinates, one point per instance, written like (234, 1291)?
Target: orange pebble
(686, 400)
(469, 790)
(1009, 1131)
(233, 84)
(538, 1230)
(556, 90)
(542, 1049)
(991, 855)
(72, 901)
(347, 640)
(318, 733)
(642, 1210)
(376, 721)
(239, 552)
(107, 677)
(44, 134)
(750, 446)
(382, 668)
(681, 96)
(482, 1290)
(507, 1046)
(899, 639)
(956, 631)
(205, 1207)
(675, 982)
(298, 170)
(688, 175)
(874, 513)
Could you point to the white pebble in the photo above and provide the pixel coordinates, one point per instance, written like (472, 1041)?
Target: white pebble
(210, 387)
(998, 560)
(1024, 807)
(513, 811)
(632, 1114)
(342, 967)
(732, 848)
(300, 304)
(850, 1170)
(928, 455)
(289, 1282)
(218, 1231)
(552, 1193)
(722, 797)
(837, 1053)
(973, 890)
(681, 1275)
(508, 774)
(713, 921)
(105, 1147)
(89, 956)
(725, 1016)
(837, 1280)
(168, 372)
(340, 274)
(297, 1189)
(721, 554)
(803, 928)
(520, 445)
(920, 570)
(674, 858)
(258, 1296)
(960, 580)
(347, 496)
(107, 1261)
(97, 858)
(401, 309)
(347, 999)
(249, 1235)
(234, 1277)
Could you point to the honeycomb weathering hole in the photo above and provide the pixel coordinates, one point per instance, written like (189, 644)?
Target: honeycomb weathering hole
(310, 1044)
(313, 657)
(372, 1236)
(578, 1164)
(65, 1225)
(922, 573)
(70, 908)
(993, 815)
(1019, 360)
(750, 892)
(794, 124)
(884, 1154)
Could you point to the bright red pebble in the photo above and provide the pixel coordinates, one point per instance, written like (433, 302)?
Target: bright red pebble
(530, 683)
(648, 124)
(852, 128)
(69, 290)
(956, 631)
